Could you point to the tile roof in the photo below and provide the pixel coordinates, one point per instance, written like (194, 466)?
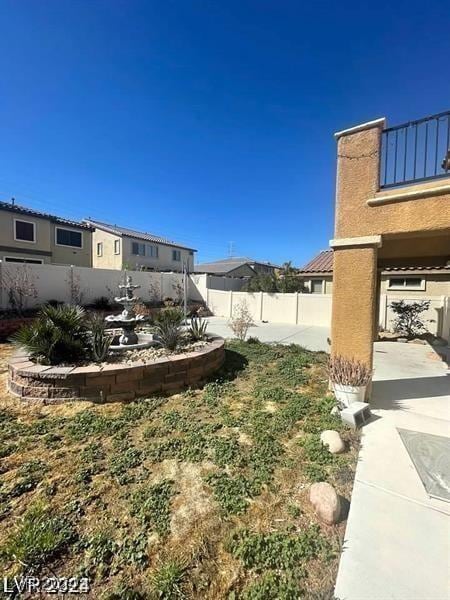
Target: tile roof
(322, 263)
(30, 212)
(140, 235)
(225, 265)
(419, 268)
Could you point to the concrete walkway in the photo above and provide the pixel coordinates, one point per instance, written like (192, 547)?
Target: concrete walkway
(310, 337)
(397, 540)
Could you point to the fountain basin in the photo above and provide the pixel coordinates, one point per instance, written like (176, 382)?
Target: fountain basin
(143, 340)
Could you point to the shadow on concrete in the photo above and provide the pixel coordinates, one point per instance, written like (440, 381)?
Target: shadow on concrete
(389, 393)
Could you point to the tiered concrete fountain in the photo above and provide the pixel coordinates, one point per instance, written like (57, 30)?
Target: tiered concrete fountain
(128, 321)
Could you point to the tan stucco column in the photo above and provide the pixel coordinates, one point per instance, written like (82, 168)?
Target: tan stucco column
(354, 297)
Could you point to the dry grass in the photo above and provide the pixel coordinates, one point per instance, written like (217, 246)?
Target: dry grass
(134, 481)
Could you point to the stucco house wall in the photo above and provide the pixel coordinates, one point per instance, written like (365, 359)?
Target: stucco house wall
(44, 248)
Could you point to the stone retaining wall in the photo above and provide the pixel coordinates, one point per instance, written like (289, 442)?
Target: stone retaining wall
(115, 381)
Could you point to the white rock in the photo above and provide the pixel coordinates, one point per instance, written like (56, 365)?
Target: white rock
(333, 441)
(326, 503)
(335, 412)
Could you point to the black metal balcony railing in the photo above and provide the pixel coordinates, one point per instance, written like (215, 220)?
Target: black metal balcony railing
(416, 151)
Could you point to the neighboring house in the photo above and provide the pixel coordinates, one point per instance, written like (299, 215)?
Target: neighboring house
(392, 211)
(115, 247)
(405, 280)
(237, 267)
(317, 275)
(30, 236)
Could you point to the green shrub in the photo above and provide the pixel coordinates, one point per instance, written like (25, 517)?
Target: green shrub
(57, 335)
(168, 327)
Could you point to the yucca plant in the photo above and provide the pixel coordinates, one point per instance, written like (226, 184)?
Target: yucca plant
(168, 327)
(171, 315)
(198, 329)
(99, 339)
(169, 335)
(58, 335)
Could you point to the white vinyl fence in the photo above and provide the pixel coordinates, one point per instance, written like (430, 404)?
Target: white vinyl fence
(301, 309)
(83, 285)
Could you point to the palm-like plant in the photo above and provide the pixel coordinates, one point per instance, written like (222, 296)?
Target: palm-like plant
(198, 329)
(57, 335)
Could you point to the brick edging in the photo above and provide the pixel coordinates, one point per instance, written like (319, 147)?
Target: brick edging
(113, 382)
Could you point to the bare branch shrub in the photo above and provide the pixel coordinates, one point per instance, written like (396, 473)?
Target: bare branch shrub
(20, 285)
(241, 321)
(345, 371)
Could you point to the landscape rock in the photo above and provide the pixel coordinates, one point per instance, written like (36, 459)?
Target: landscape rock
(326, 502)
(333, 441)
(335, 412)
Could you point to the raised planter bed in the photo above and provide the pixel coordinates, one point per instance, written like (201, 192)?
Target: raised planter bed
(114, 381)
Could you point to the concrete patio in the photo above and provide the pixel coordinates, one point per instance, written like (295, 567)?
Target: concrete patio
(310, 337)
(397, 541)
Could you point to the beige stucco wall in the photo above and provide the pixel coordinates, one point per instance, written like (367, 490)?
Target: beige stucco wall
(108, 260)
(66, 255)
(435, 285)
(164, 261)
(45, 242)
(126, 259)
(357, 182)
(354, 302)
(327, 287)
(401, 224)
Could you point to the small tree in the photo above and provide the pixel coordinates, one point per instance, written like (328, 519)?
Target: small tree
(408, 320)
(20, 285)
(241, 321)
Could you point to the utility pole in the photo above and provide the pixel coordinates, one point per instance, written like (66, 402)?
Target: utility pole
(230, 249)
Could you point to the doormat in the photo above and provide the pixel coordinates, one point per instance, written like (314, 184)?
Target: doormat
(431, 457)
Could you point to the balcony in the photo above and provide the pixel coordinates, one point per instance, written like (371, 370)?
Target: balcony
(416, 151)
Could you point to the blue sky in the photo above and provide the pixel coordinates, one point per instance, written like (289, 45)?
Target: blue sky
(206, 122)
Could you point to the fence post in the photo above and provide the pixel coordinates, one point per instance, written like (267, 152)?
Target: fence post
(261, 302)
(231, 304)
(296, 307)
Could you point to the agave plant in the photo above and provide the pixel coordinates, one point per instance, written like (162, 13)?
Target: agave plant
(99, 339)
(57, 335)
(168, 327)
(198, 329)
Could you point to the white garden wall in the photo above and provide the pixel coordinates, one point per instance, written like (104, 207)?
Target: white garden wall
(304, 309)
(83, 284)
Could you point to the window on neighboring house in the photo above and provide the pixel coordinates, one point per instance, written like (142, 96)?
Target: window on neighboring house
(138, 249)
(99, 248)
(116, 246)
(316, 286)
(153, 251)
(406, 283)
(18, 259)
(24, 231)
(176, 255)
(69, 237)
